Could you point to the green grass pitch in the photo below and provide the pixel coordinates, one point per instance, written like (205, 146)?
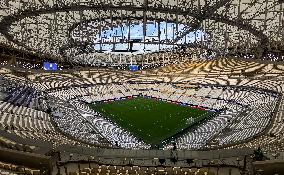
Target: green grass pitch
(150, 120)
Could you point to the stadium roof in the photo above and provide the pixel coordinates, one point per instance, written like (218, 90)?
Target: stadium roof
(47, 27)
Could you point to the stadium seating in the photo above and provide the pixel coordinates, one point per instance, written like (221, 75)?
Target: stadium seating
(11, 169)
(52, 107)
(19, 117)
(210, 96)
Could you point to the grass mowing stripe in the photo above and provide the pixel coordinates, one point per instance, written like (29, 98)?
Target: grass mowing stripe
(148, 119)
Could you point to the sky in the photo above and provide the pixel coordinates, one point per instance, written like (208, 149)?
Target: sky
(167, 30)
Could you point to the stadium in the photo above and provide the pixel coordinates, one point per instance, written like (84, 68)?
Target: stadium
(134, 87)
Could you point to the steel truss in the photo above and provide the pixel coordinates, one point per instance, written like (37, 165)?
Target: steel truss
(235, 27)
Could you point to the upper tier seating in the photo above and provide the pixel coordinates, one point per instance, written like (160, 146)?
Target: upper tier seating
(224, 72)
